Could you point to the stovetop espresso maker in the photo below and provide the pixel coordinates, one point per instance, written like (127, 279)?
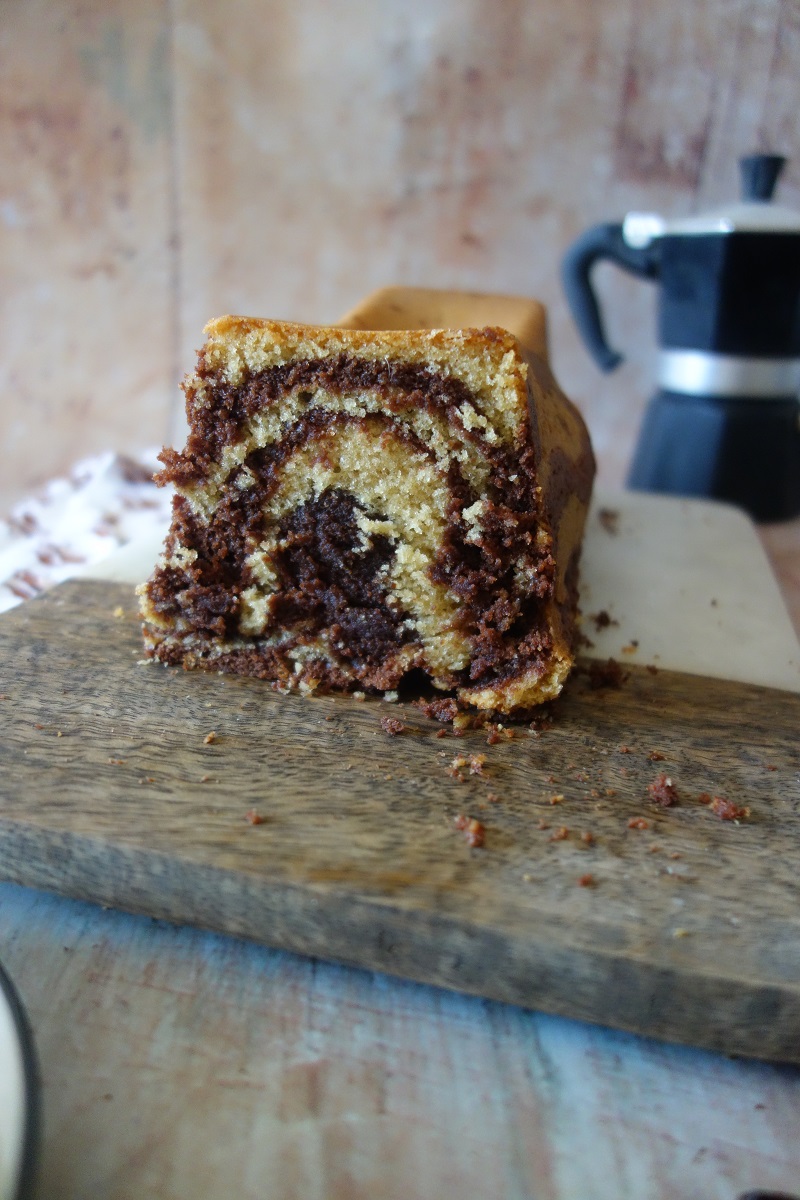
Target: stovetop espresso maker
(725, 421)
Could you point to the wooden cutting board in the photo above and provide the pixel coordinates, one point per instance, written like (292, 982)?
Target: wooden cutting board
(686, 928)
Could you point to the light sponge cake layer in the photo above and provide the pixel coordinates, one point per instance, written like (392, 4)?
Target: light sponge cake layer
(352, 506)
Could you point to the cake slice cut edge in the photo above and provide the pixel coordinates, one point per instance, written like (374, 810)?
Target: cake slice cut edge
(355, 506)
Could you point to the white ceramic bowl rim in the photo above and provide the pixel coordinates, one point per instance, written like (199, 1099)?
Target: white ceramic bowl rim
(19, 1097)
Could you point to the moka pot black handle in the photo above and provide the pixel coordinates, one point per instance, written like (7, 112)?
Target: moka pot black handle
(601, 242)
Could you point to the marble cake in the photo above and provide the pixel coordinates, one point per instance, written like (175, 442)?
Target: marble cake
(354, 508)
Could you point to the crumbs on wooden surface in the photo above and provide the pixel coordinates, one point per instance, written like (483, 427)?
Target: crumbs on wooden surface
(253, 817)
(475, 762)
(210, 738)
(586, 881)
(726, 810)
(392, 725)
(559, 835)
(473, 830)
(119, 611)
(638, 823)
(498, 733)
(663, 791)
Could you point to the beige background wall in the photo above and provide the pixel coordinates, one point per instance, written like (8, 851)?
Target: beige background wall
(163, 161)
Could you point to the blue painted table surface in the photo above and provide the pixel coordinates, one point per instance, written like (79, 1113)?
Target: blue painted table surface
(177, 1063)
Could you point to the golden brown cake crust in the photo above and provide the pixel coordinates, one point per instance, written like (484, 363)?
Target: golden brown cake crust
(354, 505)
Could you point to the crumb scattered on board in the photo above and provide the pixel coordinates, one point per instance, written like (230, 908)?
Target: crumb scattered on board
(473, 830)
(392, 725)
(663, 791)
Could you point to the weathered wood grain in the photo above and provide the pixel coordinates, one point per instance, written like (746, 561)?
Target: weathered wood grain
(688, 929)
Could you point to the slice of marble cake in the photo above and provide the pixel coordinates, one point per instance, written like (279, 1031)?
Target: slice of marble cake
(352, 506)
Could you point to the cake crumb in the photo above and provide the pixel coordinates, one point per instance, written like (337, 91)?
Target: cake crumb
(557, 799)
(663, 791)
(588, 837)
(726, 810)
(586, 881)
(210, 738)
(360, 696)
(638, 823)
(119, 611)
(656, 756)
(116, 762)
(559, 835)
(493, 798)
(498, 733)
(444, 710)
(473, 830)
(254, 818)
(392, 725)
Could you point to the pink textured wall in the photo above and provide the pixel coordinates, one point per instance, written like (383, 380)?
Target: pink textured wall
(165, 161)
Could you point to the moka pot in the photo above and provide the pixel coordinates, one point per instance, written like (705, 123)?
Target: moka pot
(725, 421)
